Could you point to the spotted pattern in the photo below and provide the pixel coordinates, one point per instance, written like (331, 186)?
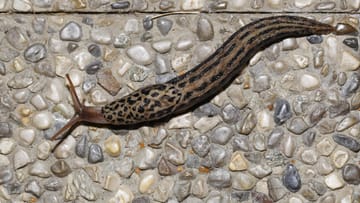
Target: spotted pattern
(210, 77)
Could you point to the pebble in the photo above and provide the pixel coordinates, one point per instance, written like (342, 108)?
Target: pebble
(42, 120)
(238, 162)
(192, 4)
(241, 143)
(339, 158)
(106, 80)
(219, 178)
(7, 54)
(146, 158)
(324, 167)
(309, 82)
(123, 194)
(39, 102)
(122, 41)
(120, 5)
(221, 135)
(101, 36)
(21, 159)
(289, 146)
(53, 184)
(205, 124)
(141, 199)
(43, 150)
(21, 80)
(6, 175)
(326, 146)
(147, 181)
(309, 156)
(125, 167)
(199, 187)
(338, 109)
(297, 125)
(65, 149)
(334, 181)
(60, 168)
(351, 174)
(243, 181)
(182, 189)
(184, 43)
(17, 38)
(72, 31)
(325, 6)
(315, 39)
(164, 25)
(309, 193)
(174, 154)
(5, 130)
(163, 190)
(260, 171)
(39, 169)
(347, 142)
(83, 184)
(205, 29)
(275, 137)
(22, 5)
(291, 178)
(246, 123)
(33, 187)
(21, 96)
(7, 145)
(352, 43)
(95, 154)
(139, 73)
(162, 46)
(349, 62)
(261, 83)
(113, 146)
(162, 64)
(201, 145)
(351, 85)
(82, 147)
(218, 155)
(140, 55)
(282, 111)
(35, 53)
(27, 135)
(276, 189)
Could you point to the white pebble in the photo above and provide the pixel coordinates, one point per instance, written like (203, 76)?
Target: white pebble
(332, 47)
(309, 82)
(183, 121)
(140, 55)
(43, 150)
(66, 148)
(123, 195)
(202, 52)
(55, 91)
(289, 44)
(21, 159)
(40, 169)
(42, 120)
(2, 4)
(76, 77)
(21, 96)
(192, 4)
(238, 3)
(7, 145)
(83, 58)
(22, 5)
(57, 46)
(184, 43)
(205, 124)
(289, 146)
(62, 65)
(309, 156)
(255, 59)
(101, 36)
(339, 158)
(302, 3)
(162, 46)
(354, 4)
(27, 135)
(98, 97)
(325, 146)
(265, 120)
(302, 61)
(349, 62)
(334, 181)
(147, 181)
(180, 62)
(295, 200)
(39, 102)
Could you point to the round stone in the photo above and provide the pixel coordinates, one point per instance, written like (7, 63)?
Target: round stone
(282, 111)
(95, 154)
(219, 178)
(113, 146)
(72, 31)
(309, 81)
(334, 181)
(351, 174)
(205, 29)
(43, 120)
(60, 168)
(201, 145)
(238, 162)
(21, 159)
(35, 53)
(140, 55)
(164, 25)
(291, 178)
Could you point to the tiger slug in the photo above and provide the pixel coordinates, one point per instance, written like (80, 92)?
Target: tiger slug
(204, 81)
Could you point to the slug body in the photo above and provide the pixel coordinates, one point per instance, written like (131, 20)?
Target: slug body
(205, 80)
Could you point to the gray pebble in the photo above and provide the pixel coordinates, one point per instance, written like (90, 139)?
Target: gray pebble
(142, 199)
(257, 4)
(297, 125)
(106, 80)
(5, 130)
(261, 83)
(122, 41)
(34, 188)
(162, 64)
(325, 6)
(291, 178)
(93, 67)
(339, 109)
(347, 142)
(53, 184)
(308, 138)
(165, 77)
(39, 25)
(7, 54)
(35, 53)
(72, 47)
(16, 38)
(319, 187)
(352, 43)
(2, 68)
(351, 174)
(164, 25)
(241, 143)
(317, 114)
(219, 178)
(315, 39)
(205, 29)
(282, 111)
(146, 37)
(201, 145)
(229, 113)
(43, 3)
(192, 161)
(351, 85)
(182, 189)
(6, 175)
(221, 135)
(147, 23)
(120, 5)
(341, 78)
(166, 168)
(309, 193)
(81, 147)
(139, 5)
(275, 137)
(207, 110)
(218, 155)
(247, 122)
(45, 68)
(241, 196)
(60, 168)
(276, 189)
(94, 50)
(14, 188)
(138, 73)
(71, 32)
(166, 4)
(21, 80)
(95, 154)
(88, 21)
(88, 85)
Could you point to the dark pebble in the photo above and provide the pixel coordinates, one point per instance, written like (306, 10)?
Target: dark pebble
(120, 5)
(72, 47)
(82, 146)
(2, 68)
(148, 23)
(93, 67)
(282, 111)
(60, 168)
(352, 43)
(35, 53)
(291, 178)
(351, 85)
(6, 175)
(240, 196)
(308, 138)
(275, 137)
(314, 39)
(5, 130)
(339, 109)
(351, 174)
(94, 50)
(142, 199)
(164, 25)
(347, 142)
(95, 154)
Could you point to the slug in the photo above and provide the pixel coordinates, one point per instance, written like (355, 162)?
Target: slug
(204, 81)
